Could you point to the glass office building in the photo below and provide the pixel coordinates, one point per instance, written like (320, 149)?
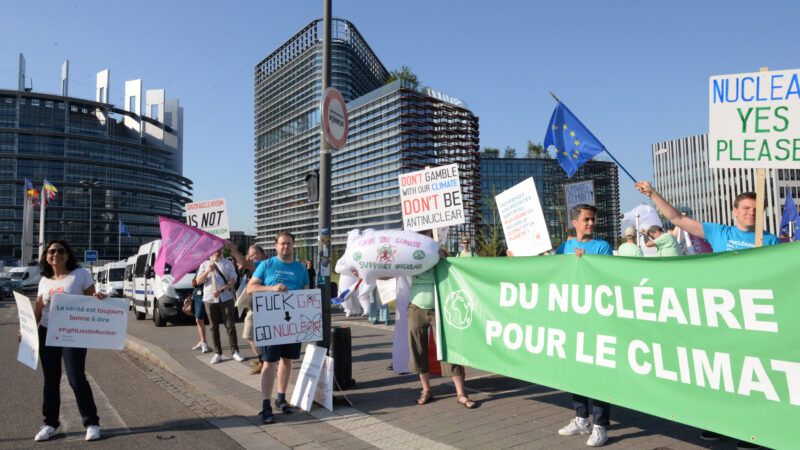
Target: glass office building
(135, 170)
(499, 174)
(394, 128)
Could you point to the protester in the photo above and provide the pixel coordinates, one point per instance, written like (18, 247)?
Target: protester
(218, 277)
(200, 316)
(248, 264)
(583, 219)
(466, 251)
(629, 247)
(312, 274)
(419, 290)
(665, 243)
(61, 274)
(722, 238)
(280, 273)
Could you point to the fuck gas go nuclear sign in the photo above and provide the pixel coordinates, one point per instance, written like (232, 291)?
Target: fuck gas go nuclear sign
(754, 120)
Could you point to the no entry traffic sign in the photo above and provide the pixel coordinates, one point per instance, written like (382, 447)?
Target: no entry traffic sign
(334, 118)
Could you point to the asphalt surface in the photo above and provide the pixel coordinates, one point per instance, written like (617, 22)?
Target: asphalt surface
(140, 405)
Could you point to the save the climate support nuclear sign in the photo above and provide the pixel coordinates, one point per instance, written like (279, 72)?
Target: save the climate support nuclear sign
(754, 120)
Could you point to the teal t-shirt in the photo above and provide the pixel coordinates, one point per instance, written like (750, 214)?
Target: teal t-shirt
(723, 238)
(274, 271)
(592, 247)
(422, 287)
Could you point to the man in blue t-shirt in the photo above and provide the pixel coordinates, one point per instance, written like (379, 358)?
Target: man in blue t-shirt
(722, 238)
(583, 219)
(280, 273)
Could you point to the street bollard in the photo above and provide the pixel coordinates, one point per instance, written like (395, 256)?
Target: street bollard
(342, 353)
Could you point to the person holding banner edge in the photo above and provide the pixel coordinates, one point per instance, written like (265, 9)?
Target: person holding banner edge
(281, 273)
(61, 274)
(248, 264)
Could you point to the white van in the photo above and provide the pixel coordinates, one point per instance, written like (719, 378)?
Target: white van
(114, 275)
(26, 277)
(97, 276)
(158, 296)
(127, 284)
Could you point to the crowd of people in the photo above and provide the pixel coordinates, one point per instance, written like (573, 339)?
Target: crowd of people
(216, 299)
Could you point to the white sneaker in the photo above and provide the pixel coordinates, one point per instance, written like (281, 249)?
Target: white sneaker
(598, 437)
(198, 346)
(93, 433)
(238, 357)
(216, 358)
(576, 426)
(44, 433)
(206, 348)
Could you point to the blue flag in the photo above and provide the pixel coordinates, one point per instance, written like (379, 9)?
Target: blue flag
(574, 143)
(790, 215)
(123, 229)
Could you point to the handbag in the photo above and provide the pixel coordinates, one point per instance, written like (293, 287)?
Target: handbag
(243, 299)
(188, 305)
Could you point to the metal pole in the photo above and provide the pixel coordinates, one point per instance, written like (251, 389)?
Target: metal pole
(325, 188)
(90, 217)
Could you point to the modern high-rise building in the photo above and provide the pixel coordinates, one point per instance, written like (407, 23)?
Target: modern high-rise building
(499, 174)
(682, 176)
(394, 128)
(126, 162)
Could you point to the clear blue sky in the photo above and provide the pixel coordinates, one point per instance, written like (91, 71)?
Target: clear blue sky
(635, 72)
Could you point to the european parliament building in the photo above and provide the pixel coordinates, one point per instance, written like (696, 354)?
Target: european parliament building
(395, 128)
(499, 174)
(126, 161)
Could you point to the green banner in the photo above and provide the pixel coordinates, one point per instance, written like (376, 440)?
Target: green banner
(711, 340)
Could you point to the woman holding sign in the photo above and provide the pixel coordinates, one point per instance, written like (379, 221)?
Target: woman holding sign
(280, 273)
(62, 275)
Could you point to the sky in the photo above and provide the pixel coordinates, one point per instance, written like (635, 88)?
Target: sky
(634, 72)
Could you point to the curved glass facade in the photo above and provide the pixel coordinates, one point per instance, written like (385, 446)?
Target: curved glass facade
(68, 140)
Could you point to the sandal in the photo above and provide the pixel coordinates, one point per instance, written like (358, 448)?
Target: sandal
(425, 397)
(466, 402)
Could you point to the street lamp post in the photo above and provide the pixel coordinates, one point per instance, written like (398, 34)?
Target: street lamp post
(91, 184)
(65, 226)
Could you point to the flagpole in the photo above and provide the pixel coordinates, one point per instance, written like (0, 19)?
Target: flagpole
(595, 138)
(41, 224)
(25, 207)
(119, 240)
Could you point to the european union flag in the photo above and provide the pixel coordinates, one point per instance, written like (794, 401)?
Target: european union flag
(574, 143)
(123, 229)
(790, 215)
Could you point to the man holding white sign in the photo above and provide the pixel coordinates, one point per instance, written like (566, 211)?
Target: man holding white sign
(280, 273)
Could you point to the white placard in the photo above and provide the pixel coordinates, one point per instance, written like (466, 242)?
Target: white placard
(523, 220)
(86, 322)
(287, 317)
(387, 290)
(308, 377)
(431, 198)
(754, 120)
(324, 393)
(210, 216)
(28, 353)
(580, 193)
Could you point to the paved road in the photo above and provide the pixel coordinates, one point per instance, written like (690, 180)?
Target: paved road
(140, 406)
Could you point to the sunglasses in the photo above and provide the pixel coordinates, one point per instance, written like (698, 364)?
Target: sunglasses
(57, 251)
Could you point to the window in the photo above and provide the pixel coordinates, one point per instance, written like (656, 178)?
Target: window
(132, 103)
(102, 96)
(168, 119)
(154, 112)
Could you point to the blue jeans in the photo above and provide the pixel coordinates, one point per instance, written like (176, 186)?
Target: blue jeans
(601, 411)
(75, 366)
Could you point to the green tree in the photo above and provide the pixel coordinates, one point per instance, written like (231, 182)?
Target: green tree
(536, 150)
(404, 73)
(490, 152)
(509, 152)
(490, 236)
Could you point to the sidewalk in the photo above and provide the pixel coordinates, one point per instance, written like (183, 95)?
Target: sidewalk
(512, 413)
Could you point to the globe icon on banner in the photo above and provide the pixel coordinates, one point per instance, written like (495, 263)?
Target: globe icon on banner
(458, 308)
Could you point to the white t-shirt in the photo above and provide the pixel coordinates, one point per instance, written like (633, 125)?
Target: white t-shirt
(75, 283)
(226, 267)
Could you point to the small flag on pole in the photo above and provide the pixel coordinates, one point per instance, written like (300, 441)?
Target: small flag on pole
(574, 143)
(790, 216)
(31, 193)
(49, 192)
(123, 229)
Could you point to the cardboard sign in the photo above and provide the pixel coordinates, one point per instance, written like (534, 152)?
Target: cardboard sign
(580, 193)
(287, 317)
(523, 220)
(306, 386)
(387, 290)
(754, 120)
(324, 393)
(28, 353)
(85, 322)
(431, 198)
(210, 216)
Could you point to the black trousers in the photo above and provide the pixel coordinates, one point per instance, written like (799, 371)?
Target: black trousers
(601, 411)
(223, 312)
(75, 366)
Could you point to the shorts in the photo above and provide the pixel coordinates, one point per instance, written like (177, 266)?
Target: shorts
(248, 326)
(420, 323)
(199, 308)
(273, 353)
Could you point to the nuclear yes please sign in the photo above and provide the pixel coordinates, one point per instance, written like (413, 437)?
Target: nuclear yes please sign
(754, 120)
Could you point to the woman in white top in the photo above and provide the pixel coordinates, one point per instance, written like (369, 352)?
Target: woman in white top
(61, 274)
